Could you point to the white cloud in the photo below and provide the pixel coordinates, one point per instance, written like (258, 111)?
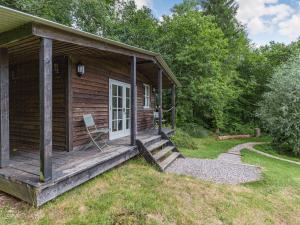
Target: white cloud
(141, 3)
(270, 17)
(291, 27)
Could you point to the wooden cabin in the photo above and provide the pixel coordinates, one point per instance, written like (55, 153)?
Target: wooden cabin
(50, 76)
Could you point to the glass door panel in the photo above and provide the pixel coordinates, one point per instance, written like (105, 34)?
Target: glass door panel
(119, 109)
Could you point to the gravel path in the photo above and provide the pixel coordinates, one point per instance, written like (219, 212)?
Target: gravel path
(228, 168)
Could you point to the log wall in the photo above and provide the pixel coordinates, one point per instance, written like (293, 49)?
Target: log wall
(24, 106)
(91, 95)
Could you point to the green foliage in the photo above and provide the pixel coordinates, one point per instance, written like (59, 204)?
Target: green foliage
(94, 16)
(183, 140)
(280, 108)
(58, 11)
(194, 130)
(134, 26)
(239, 128)
(210, 148)
(197, 50)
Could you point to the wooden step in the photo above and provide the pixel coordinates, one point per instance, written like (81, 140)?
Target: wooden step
(164, 164)
(149, 141)
(157, 145)
(163, 152)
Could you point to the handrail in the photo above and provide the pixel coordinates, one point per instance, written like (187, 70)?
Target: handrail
(165, 111)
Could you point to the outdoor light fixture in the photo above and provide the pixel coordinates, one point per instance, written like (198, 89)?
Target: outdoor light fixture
(80, 69)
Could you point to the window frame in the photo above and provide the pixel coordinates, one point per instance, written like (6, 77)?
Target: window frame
(145, 97)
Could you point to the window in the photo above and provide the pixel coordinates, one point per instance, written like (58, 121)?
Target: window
(146, 96)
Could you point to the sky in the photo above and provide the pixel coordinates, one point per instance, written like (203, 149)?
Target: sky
(265, 20)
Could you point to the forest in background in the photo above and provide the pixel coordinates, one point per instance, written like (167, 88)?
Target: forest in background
(225, 77)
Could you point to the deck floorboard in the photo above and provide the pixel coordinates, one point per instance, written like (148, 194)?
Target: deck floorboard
(70, 169)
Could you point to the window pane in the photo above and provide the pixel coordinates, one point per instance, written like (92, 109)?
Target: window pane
(114, 102)
(114, 90)
(114, 125)
(127, 103)
(128, 92)
(120, 124)
(120, 114)
(114, 114)
(120, 91)
(120, 103)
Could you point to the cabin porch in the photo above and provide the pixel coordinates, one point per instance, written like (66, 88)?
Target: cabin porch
(70, 169)
(43, 99)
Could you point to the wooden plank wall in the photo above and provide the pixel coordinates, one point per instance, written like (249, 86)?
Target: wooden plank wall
(24, 106)
(91, 95)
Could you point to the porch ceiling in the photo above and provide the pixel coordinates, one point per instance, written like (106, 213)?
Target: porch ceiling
(28, 48)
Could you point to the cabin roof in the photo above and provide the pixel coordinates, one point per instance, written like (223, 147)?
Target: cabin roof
(11, 19)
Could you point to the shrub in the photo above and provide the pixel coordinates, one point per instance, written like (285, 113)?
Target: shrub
(183, 140)
(238, 128)
(279, 110)
(194, 129)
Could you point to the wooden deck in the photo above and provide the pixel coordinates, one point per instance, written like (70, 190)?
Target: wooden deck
(70, 169)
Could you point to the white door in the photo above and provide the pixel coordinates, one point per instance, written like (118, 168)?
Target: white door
(119, 109)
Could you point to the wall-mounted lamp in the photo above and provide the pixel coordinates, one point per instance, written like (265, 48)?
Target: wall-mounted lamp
(80, 69)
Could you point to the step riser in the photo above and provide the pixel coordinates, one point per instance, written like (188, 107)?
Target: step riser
(148, 143)
(167, 162)
(159, 147)
(160, 155)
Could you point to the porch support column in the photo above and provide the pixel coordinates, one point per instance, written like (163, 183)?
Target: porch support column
(45, 80)
(4, 108)
(173, 106)
(133, 101)
(160, 101)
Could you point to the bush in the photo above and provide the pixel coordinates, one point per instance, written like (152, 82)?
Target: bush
(237, 128)
(183, 140)
(280, 108)
(194, 129)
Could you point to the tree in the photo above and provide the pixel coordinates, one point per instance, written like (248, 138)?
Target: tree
(95, 16)
(58, 11)
(224, 12)
(136, 27)
(197, 50)
(280, 108)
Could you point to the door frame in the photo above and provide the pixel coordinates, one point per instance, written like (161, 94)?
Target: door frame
(124, 132)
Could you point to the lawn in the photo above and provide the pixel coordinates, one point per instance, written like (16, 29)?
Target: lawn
(268, 148)
(209, 148)
(135, 193)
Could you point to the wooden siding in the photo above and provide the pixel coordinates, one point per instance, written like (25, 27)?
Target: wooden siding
(24, 106)
(91, 95)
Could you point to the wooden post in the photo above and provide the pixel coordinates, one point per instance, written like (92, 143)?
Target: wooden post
(133, 129)
(69, 112)
(173, 106)
(45, 109)
(160, 101)
(4, 107)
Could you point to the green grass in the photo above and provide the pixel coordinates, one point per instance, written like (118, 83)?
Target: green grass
(135, 193)
(268, 148)
(210, 148)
